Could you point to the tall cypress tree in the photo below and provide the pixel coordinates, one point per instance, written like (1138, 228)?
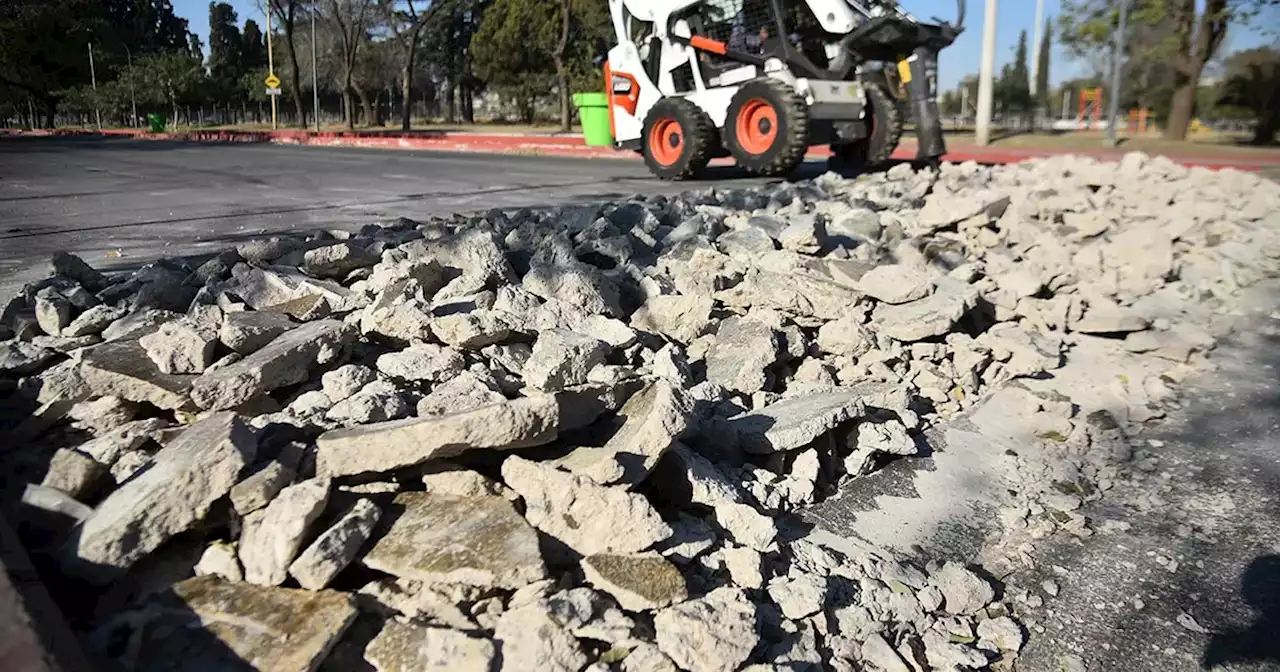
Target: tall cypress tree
(1042, 66)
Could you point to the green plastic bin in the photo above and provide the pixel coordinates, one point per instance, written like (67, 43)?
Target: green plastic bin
(156, 122)
(593, 111)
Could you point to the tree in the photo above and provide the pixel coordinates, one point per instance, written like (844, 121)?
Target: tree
(350, 20)
(407, 22)
(194, 48)
(1253, 83)
(253, 48)
(43, 47)
(1014, 88)
(287, 13)
(512, 52)
(167, 79)
(146, 26)
(1195, 31)
(522, 48)
(1042, 67)
(224, 52)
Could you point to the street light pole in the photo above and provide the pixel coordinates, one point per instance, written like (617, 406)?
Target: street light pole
(986, 85)
(271, 68)
(315, 87)
(93, 77)
(1116, 61)
(1035, 55)
(133, 99)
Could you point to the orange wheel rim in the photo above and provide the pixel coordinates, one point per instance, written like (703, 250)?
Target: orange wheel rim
(757, 126)
(666, 141)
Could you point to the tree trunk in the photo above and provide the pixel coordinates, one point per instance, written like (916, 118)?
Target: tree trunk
(1182, 108)
(451, 101)
(370, 118)
(468, 103)
(295, 79)
(1268, 125)
(406, 90)
(347, 111)
(50, 112)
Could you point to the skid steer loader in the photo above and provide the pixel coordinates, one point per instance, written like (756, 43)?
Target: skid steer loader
(764, 80)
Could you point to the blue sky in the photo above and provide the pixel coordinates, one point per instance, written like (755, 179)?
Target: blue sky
(959, 60)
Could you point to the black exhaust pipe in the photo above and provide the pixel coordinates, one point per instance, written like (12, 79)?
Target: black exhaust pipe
(922, 88)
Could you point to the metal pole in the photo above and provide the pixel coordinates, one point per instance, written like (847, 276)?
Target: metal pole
(315, 86)
(986, 88)
(964, 103)
(133, 99)
(93, 77)
(1035, 58)
(271, 68)
(1116, 61)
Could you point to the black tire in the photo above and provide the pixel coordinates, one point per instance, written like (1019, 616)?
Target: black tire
(787, 143)
(692, 130)
(886, 119)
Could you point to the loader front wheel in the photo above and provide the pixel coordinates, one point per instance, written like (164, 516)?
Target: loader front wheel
(766, 129)
(678, 139)
(884, 130)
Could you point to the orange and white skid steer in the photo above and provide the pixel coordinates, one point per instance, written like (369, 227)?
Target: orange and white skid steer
(764, 80)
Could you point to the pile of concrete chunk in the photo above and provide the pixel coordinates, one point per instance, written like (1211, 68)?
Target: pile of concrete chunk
(576, 438)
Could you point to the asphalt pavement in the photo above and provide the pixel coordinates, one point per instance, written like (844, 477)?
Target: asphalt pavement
(120, 203)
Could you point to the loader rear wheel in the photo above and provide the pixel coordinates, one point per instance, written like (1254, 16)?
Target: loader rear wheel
(885, 121)
(766, 129)
(678, 139)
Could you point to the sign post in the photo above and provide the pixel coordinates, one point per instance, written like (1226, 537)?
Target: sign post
(273, 82)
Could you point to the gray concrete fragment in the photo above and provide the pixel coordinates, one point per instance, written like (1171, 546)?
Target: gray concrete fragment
(291, 358)
(232, 625)
(273, 536)
(260, 487)
(715, 633)
(21, 358)
(189, 475)
(406, 647)
(522, 423)
(741, 354)
(422, 361)
(652, 421)
(928, 317)
(586, 517)
(895, 283)
(53, 312)
(562, 358)
(93, 321)
(346, 380)
(74, 473)
(680, 318)
(336, 547)
(795, 422)
(477, 541)
(181, 346)
(641, 582)
(247, 331)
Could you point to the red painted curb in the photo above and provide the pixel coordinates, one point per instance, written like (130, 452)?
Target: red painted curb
(570, 146)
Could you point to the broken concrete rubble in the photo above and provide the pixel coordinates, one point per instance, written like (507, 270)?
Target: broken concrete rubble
(679, 375)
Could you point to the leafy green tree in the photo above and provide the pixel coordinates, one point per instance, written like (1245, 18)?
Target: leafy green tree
(224, 52)
(1014, 88)
(253, 48)
(1192, 31)
(146, 26)
(43, 47)
(167, 79)
(524, 47)
(1253, 83)
(1042, 67)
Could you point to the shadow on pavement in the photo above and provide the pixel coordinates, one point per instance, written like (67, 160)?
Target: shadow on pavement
(1260, 589)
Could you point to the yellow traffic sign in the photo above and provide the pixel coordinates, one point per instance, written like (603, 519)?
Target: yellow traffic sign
(273, 82)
